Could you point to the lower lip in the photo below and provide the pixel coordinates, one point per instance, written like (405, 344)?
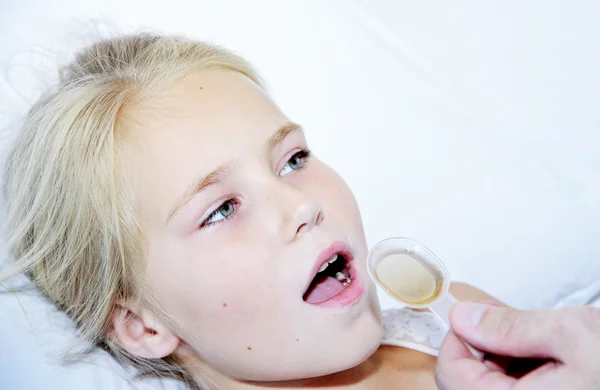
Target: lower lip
(349, 295)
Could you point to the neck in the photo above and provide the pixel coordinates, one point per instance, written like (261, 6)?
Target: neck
(362, 377)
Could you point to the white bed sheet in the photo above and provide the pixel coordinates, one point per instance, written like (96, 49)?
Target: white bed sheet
(471, 127)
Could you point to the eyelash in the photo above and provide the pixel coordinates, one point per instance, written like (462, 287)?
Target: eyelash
(235, 203)
(303, 153)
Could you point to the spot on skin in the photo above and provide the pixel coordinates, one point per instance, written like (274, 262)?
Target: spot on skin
(249, 348)
(224, 305)
(297, 339)
(201, 87)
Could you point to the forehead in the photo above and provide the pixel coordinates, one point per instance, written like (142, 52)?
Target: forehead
(208, 118)
(209, 104)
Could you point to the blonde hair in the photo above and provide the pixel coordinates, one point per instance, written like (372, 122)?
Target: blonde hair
(71, 222)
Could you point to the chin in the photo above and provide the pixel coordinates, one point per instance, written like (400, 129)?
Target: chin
(373, 328)
(370, 346)
(340, 363)
(354, 357)
(356, 354)
(366, 341)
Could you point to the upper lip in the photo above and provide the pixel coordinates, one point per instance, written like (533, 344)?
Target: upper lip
(335, 248)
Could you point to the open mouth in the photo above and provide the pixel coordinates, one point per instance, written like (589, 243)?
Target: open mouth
(331, 279)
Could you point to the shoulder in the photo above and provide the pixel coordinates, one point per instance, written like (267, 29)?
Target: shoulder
(404, 368)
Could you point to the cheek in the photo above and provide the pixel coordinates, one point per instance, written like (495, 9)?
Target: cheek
(341, 210)
(202, 288)
(335, 196)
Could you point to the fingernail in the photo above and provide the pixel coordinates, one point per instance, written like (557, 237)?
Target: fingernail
(468, 314)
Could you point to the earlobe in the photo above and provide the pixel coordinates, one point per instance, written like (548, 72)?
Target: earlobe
(141, 333)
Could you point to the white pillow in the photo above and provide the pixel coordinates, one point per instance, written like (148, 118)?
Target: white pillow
(35, 341)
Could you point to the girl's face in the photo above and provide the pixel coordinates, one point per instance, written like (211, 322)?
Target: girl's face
(238, 218)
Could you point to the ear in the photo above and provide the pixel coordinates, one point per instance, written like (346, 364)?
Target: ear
(141, 333)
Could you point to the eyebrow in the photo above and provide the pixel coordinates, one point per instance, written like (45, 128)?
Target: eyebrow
(224, 170)
(281, 134)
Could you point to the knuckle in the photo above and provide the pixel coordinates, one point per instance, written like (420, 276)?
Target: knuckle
(589, 327)
(508, 326)
(441, 375)
(438, 374)
(589, 317)
(594, 378)
(577, 327)
(577, 320)
(567, 325)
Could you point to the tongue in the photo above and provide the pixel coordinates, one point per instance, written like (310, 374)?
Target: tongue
(325, 289)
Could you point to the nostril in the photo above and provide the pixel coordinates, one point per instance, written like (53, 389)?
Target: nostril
(300, 228)
(308, 215)
(319, 218)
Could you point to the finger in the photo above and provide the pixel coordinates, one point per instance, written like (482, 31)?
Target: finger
(495, 362)
(453, 348)
(553, 376)
(498, 363)
(458, 369)
(518, 368)
(510, 332)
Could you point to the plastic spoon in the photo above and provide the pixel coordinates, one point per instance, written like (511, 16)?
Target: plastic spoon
(413, 276)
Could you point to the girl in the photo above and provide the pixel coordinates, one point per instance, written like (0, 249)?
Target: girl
(162, 200)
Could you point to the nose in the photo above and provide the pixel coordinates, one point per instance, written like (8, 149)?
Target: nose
(305, 216)
(302, 215)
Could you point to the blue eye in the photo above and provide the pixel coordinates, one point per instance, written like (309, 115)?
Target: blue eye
(295, 162)
(225, 211)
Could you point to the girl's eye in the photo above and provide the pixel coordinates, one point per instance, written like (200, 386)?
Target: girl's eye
(295, 162)
(225, 211)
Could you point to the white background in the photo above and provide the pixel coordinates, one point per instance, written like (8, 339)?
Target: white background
(469, 126)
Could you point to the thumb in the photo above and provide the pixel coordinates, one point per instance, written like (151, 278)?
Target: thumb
(510, 332)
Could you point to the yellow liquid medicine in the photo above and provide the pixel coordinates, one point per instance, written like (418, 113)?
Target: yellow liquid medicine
(407, 279)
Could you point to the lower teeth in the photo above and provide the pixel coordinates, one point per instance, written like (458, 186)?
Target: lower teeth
(343, 278)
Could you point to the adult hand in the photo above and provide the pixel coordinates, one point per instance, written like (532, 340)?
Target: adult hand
(563, 345)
